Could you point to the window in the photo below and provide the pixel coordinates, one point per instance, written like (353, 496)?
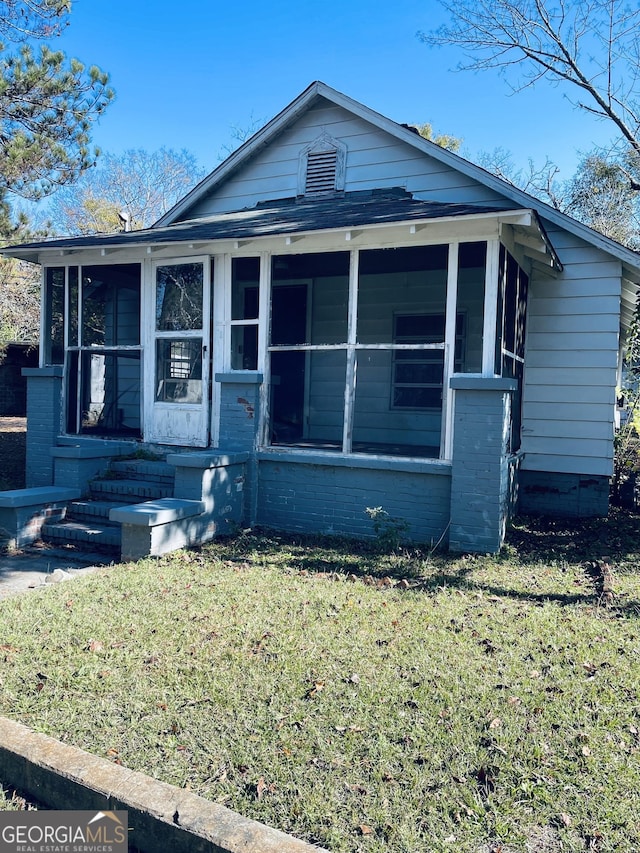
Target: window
(418, 374)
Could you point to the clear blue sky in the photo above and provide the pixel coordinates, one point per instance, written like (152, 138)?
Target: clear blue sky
(186, 72)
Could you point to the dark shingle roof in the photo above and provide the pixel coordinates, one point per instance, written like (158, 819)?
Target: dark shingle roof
(287, 216)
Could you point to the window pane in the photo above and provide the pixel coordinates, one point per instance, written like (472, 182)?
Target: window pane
(411, 281)
(309, 299)
(111, 305)
(54, 344)
(245, 281)
(472, 260)
(179, 370)
(307, 398)
(244, 347)
(179, 291)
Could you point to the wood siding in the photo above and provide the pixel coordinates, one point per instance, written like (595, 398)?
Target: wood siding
(374, 160)
(571, 361)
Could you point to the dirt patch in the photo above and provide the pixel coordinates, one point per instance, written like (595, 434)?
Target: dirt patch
(13, 445)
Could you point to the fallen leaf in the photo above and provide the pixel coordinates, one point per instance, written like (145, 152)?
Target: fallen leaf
(364, 829)
(496, 723)
(95, 646)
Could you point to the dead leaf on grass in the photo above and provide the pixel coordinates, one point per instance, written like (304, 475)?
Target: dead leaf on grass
(364, 829)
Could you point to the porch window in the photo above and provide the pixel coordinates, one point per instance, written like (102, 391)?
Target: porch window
(357, 347)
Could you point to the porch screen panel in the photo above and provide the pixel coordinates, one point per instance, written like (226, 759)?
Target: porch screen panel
(54, 315)
(308, 349)
(472, 262)
(103, 370)
(111, 306)
(400, 351)
(510, 345)
(110, 393)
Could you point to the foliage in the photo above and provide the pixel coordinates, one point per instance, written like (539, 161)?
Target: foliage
(590, 47)
(624, 486)
(444, 140)
(601, 196)
(143, 185)
(487, 703)
(389, 531)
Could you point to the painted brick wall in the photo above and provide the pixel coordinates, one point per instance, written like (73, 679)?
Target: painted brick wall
(481, 473)
(322, 498)
(239, 419)
(44, 413)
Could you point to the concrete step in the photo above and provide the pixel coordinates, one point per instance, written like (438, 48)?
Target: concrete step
(92, 511)
(132, 491)
(140, 469)
(74, 532)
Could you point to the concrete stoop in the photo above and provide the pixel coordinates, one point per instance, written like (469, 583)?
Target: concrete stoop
(162, 818)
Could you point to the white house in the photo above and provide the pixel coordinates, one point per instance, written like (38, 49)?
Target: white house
(342, 315)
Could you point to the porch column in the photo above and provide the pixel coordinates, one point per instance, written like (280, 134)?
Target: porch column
(44, 422)
(239, 424)
(482, 468)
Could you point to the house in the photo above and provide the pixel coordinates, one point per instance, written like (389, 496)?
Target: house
(341, 316)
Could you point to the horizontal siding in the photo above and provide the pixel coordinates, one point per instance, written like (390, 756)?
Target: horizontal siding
(562, 359)
(374, 160)
(571, 360)
(597, 428)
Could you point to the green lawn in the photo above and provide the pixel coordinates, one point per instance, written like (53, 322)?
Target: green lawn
(365, 702)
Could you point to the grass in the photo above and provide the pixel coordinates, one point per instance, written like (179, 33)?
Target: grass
(362, 701)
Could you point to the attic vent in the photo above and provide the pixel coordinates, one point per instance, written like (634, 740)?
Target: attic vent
(321, 167)
(321, 172)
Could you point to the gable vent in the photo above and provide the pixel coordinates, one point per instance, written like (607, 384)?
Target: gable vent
(321, 171)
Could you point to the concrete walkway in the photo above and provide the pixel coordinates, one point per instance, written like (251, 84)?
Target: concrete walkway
(39, 565)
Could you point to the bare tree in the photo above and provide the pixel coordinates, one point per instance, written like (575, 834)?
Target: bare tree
(592, 47)
(140, 184)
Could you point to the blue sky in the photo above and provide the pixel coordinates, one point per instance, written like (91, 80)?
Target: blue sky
(186, 73)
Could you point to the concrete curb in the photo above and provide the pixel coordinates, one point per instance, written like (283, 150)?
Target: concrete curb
(161, 816)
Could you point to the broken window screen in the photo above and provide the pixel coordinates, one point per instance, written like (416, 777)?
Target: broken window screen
(55, 315)
(179, 292)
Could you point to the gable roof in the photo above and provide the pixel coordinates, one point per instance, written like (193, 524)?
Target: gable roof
(317, 90)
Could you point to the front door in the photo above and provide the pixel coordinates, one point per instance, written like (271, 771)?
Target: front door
(177, 389)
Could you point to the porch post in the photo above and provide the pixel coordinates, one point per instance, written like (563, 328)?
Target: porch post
(482, 467)
(44, 422)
